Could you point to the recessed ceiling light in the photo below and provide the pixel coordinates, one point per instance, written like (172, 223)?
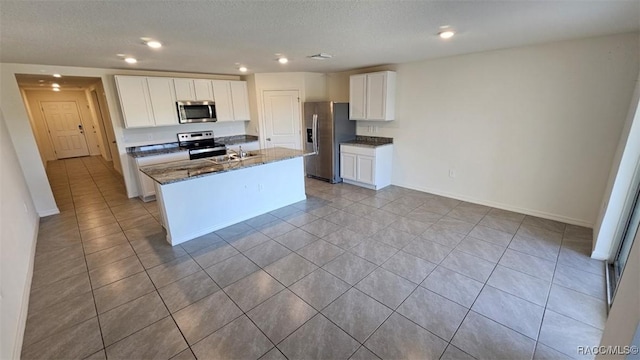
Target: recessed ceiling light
(446, 34)
(154, 44)
(242, 69)
(131, 60)
(55, 85)
(41, 81)
(283, 60)
(57, 75)
(56, 89)
(321, 56)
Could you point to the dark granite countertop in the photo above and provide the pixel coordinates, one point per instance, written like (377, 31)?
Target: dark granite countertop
(168, 148)
(175, 171)
(369, 141)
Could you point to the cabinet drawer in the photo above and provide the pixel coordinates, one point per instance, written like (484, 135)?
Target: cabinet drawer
(358, 150)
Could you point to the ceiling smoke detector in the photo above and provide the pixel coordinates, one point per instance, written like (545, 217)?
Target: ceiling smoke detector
(320, 56)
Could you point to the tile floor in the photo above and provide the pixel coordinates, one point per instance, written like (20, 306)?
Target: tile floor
(348, 273)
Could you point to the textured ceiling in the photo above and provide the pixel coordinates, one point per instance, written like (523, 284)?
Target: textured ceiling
(212, 36)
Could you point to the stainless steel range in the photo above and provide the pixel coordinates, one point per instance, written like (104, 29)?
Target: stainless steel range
(201, 144)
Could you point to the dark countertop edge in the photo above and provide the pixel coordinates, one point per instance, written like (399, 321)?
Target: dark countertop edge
(364, 144)
(169, 148)
(223, 169)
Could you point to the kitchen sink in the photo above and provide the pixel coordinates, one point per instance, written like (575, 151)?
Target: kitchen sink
(233, 158)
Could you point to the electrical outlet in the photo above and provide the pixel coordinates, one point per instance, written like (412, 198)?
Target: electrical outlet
(452, 173)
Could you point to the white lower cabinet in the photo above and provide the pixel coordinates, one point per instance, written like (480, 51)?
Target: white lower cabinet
(146, 186)
(368, 167)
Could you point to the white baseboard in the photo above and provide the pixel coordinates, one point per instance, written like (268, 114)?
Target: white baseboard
(498, 205)
(24, 307)
(49, 212)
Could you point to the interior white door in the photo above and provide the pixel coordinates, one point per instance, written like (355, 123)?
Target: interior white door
(65, 128)
(282, 119)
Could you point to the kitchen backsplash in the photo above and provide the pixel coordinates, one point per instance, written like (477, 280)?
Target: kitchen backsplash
(165, 134)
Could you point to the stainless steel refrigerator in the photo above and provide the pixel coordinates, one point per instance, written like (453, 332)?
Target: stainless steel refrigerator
(327, 125)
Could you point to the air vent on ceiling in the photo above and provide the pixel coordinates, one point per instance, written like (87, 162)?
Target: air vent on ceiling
(321, 56)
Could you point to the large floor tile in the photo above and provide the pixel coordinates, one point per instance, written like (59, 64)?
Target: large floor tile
(386, 287)
(281, 315)
(519, 284)
(345, 238)
(78, 341)
(122, 291)
(453, 353)
(319, 288)
(509, 310)
(433, 312)
(350, 268)
(468, 265)
(52, 319)
(374, 251)
(296, 239)
(320, 252)
(530, 265)
(248, 240)
(115, 271)
(267, 253)
(135, 315)
(171, 271)
(409, 267)
(161, 340)
(214, 254)
(58, 291)
(253, 289)
(318, 338)
(483, 338)
(428, 250)
(399, 338)
(231, 270)
(205, 316)
(581, 281)
(187, 290)
(357, 314)
(290, 269)
(453, 286)
(443, 236)
(566, 335)
(239, 339)
(393, 237)
(482, 249)
(578, 306)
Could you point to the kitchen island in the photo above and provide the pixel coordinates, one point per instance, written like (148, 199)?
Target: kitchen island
(196, 197)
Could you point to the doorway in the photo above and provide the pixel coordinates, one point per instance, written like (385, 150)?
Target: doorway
(106, 148)
(282, 121)
(65, 128)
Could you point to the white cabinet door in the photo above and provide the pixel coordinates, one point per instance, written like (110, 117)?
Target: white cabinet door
(240, 99)
(163, 101)
(184, 89)
(224, 104)
(134, 101)
(348, 166)
(366, 169)
(203, 89)
(376, 96)
(357, 97)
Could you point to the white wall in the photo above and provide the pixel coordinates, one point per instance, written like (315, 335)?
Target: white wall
(618, 197)
(624, 315)
(18, 232)
(19, 129)
(531, 129)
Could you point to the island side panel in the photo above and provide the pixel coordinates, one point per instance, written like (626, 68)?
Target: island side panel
(195, 207)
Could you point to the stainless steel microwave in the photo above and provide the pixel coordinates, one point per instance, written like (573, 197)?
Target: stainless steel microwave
(196, 111)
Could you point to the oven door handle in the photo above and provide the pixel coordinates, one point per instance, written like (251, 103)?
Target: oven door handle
(200, 151)
(210, 111)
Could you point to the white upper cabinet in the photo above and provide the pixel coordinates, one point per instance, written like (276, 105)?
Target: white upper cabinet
(203, 90)
(135, 101)
(240, 98)
(232, 100)
(372, 96)
(163, 101)
(357, 97)
(185, 89)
